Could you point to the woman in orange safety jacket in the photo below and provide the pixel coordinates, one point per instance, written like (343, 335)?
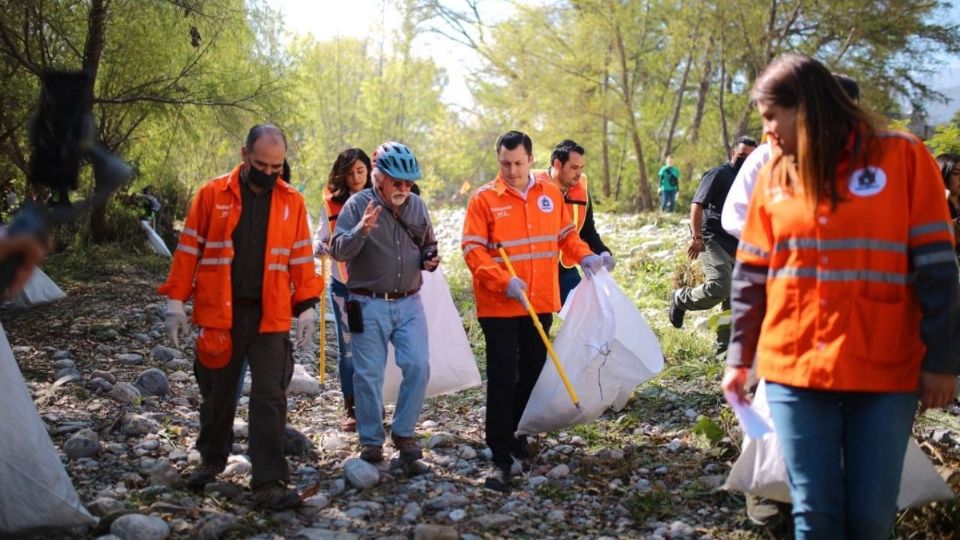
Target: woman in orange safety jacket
(350, 174)
(844, 290)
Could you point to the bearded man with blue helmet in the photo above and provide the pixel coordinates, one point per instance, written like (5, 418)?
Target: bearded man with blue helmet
(385, 252)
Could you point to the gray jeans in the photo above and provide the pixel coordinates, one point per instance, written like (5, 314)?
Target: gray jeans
(717, 271)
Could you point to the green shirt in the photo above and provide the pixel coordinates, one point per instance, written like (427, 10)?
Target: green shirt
(665, 178)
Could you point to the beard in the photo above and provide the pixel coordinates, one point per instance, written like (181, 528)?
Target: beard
(397, 199)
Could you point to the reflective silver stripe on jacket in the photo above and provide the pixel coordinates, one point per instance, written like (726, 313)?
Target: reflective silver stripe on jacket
(301, 260)
(842, 275)
(301, 243)
(214, 261)
(278, 267)
(753, 250)
(471, 247)
(188, 249)
(524, 241)
(530, 256)
(477, 239)
(279, 251)
(934, 258)
(224, 244)
(841, 243)
(193, 232)
(934, 226)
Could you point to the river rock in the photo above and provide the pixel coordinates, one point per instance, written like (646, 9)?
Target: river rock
(152, 382)
(140, 527)
(83, 444)
(360, 474)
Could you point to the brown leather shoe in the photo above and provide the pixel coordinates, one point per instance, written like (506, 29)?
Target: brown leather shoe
(371, 453)
(349, 421)
(276, 497)
(408, 447)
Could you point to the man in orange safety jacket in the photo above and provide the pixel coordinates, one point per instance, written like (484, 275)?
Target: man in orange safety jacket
(566, 172)
(529, 219)
(244, 247)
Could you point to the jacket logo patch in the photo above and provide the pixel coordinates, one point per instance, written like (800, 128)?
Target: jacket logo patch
(224, 210)
(867, 182)
(545, 204)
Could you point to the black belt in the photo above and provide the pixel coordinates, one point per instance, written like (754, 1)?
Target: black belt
(385, 296)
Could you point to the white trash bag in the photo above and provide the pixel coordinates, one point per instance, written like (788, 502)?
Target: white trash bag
(606, 349)
(35, 491)
(155, 241)
(39, 289)
(452, 365)
(760, 470)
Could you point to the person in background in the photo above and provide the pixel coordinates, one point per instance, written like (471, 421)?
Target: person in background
(950, 172)
(669, 185)
(709, 238)
(566, 172)
(350, 174)
(846, 291)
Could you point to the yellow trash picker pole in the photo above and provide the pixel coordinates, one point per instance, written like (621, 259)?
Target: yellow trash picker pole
(322, 352)
(543, 334)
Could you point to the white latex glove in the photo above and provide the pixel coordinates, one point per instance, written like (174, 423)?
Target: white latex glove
(320, 249)
(591, 264)
(176, 321)
(306, 322)
(608, 261)
(515, 288)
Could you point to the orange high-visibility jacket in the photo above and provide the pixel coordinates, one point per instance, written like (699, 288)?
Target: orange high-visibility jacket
(532, 231)
(838, 297)
(333, 209)
(202, 261)
(576, 200)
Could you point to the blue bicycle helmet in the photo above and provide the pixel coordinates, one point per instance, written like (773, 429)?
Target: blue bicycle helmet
(396, 160)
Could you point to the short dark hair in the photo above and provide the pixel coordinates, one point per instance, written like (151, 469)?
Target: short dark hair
(745, 139)
(849, 86)
(260, 130)
(512, 139)
(562, 151)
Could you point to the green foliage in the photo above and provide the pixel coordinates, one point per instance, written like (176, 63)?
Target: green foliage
(945, 140)
(649, 505)
(708, 431)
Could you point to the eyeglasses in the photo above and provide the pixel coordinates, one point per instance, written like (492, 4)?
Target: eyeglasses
(397, 184)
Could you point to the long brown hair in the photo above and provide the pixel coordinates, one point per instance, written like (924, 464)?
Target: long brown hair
(825, 118)
(337, 182)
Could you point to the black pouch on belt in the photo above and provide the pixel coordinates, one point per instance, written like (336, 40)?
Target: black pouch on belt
(354, 316)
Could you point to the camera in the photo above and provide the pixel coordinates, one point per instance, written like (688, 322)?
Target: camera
(428, 253)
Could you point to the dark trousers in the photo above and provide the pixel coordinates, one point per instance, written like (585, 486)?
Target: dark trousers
(569, 279)
(515, 357)
(270, 358)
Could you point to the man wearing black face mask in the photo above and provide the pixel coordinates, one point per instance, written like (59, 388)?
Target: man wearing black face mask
(710, 239)
(246, 257)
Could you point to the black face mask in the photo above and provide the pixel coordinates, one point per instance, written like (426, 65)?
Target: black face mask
(261, 179)
(739, 163)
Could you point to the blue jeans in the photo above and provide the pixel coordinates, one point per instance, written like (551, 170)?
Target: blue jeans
(668, 200)
(569, 279)
(844, 452)
(339, 293)
(403, 323)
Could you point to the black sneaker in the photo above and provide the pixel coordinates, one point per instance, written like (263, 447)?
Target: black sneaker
(498, 479)
(676, 312)
(203, 475)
